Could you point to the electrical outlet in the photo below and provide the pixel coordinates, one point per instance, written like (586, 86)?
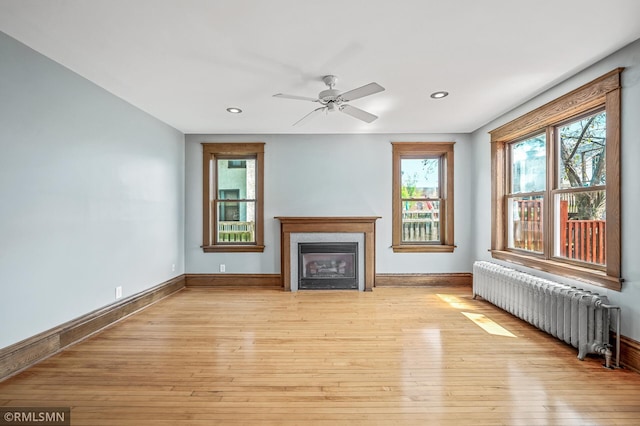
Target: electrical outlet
(118, 292)
(173, 267)
(223, 268)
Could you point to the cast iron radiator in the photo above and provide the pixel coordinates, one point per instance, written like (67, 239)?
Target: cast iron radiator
(575, 316)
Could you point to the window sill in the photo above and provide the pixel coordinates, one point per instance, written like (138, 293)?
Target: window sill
(423, 248)
(233, 249)
(590, 276)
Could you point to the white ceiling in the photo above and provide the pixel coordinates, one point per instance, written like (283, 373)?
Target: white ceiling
(186, 61)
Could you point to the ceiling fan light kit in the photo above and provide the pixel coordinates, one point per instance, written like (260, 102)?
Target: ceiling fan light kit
(333, 100)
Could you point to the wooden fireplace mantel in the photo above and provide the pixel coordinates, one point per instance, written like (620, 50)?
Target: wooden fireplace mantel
(347, 224)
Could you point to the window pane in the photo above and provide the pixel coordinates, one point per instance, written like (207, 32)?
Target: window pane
(528, 165)
(236, 221)
(232, 177)
(581, 152)
(581, 226)
(525, 223)
(421, 221)
(420, 178)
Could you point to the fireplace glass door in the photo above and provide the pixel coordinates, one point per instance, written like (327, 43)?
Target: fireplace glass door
(327, 266)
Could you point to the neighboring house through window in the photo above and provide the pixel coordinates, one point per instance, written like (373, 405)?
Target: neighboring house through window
(556, 185)
(233, 197)
(423, 197)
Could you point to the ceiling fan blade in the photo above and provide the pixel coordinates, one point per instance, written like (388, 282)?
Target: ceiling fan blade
(361, 92)
(299, 98)
(358, 113)
(309, 116)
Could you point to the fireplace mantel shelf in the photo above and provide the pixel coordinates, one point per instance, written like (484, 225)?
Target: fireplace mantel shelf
(327, 219)
(347, 224)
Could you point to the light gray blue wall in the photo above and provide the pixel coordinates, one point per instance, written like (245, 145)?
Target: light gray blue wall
(628, 57)
(91, 195)
(328, 175)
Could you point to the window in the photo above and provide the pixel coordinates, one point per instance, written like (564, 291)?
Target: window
(422, 197)
(556, 185)
(232, 197)
(525, 194)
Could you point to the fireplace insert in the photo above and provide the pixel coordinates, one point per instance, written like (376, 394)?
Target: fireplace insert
(327, 266)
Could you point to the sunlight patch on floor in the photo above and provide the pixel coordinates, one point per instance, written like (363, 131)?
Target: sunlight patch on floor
(454, 301)
(488, 325)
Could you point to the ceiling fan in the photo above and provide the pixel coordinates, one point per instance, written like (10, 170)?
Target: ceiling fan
(333, 100)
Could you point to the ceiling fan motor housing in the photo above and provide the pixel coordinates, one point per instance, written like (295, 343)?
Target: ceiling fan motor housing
(329, 95)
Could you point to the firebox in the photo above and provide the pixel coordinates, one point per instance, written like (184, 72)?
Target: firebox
(326, 266)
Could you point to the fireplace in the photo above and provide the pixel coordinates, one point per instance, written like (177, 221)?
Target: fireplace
(328, 266)
(357, 230)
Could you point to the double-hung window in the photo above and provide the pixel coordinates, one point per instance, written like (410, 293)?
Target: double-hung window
(556, 185)
(232, 197)
(422, 197)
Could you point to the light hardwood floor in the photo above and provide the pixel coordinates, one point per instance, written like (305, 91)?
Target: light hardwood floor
(402, 356)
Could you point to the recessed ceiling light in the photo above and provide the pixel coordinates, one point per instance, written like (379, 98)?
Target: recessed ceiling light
(439, 95)
(234, 110)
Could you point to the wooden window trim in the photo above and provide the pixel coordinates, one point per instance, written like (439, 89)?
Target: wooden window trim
(213, 150)
(423, 149)
(601, 92)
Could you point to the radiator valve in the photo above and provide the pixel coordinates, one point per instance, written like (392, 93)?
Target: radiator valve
(607, 356)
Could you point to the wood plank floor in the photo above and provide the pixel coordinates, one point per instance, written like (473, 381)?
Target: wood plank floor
(404, 356)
